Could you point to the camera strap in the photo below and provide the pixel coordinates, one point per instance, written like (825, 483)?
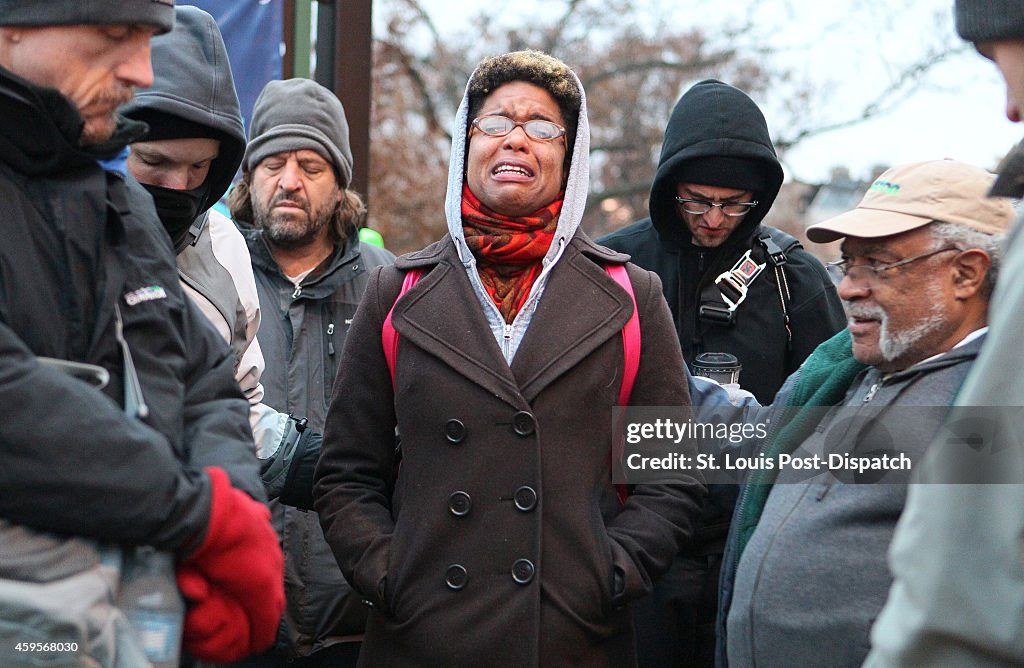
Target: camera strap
(719, 300)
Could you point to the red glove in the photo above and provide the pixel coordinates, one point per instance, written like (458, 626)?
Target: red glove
(234, 581)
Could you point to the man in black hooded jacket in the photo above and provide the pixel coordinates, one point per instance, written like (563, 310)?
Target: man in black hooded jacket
(734, 286)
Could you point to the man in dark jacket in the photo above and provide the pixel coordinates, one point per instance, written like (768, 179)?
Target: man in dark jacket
(154, 449)
(311, 271)
(734, 286)
(717, 178)
(805, 572)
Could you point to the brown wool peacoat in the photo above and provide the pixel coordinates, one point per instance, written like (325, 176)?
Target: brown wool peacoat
(501, 541)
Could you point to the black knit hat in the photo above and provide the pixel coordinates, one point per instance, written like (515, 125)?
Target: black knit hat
(159, 13)
(989, 20)
(165, 125)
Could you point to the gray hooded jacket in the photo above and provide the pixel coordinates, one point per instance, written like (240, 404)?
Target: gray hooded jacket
(193, 83)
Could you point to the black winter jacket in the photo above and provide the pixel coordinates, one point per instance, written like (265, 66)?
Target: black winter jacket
(716, 119)
(704, 123)
(79, 242)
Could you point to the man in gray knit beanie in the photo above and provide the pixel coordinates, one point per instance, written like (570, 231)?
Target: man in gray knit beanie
(957, 597)
(300, 220)
(300, 114)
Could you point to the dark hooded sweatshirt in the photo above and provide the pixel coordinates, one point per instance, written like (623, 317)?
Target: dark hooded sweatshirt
(716, 119)
(193, 95)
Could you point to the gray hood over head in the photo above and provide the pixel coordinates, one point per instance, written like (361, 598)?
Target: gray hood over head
(576, 185)
(193, 81)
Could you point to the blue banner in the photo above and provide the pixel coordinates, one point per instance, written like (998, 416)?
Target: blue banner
(253, 34)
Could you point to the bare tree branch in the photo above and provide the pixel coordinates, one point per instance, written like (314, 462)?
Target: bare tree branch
(621, 69)
(902, 86)
(424, 18)
(554, 35)
(430, 113)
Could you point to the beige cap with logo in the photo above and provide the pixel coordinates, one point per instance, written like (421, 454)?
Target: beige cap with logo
(909, 196)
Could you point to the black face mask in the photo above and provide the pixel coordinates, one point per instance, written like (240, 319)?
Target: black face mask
(177, 209)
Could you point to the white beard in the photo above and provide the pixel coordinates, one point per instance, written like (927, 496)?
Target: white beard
(893, 345)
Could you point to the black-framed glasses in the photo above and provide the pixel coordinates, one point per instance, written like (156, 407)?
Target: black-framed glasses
(701, 206)
(874, 271)
(495, 125)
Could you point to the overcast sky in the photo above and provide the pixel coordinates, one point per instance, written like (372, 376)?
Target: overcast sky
(852, 47)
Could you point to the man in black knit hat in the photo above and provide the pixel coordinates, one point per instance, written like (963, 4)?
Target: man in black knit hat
(186, 162)
(734, 286)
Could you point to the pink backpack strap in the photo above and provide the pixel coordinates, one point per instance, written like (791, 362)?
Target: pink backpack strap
(630, 335)
(388, 335)
(631, 359)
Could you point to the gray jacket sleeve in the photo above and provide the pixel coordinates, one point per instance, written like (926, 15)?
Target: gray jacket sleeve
(217, 431)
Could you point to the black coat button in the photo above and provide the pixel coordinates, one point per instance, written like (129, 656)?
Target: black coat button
(459, 503)
(526, 498)
(456, 577)
(522, 571)
(454, 430)
(523, 423)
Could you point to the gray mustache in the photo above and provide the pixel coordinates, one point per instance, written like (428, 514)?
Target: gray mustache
(858, 310)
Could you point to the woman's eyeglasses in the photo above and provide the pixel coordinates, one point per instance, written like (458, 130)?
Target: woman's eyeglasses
(494, 125)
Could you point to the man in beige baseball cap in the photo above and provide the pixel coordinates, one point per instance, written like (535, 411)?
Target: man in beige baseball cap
(919, 260)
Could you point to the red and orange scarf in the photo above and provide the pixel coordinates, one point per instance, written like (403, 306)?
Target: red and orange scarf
(508, 251)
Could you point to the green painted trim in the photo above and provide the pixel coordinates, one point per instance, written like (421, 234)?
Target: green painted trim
(303, 38)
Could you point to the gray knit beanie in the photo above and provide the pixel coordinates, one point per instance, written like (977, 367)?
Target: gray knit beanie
(299, 114)
(159, 13)
(989, 20)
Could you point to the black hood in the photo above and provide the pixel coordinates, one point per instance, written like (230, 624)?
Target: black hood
(713, 119)
(193, 82)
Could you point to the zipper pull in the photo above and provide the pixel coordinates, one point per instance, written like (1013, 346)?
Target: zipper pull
(872, 392)
(508, 340)
(330, 342)
(297, 292)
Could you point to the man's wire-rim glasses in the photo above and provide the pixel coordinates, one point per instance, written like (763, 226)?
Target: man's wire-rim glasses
(856, 271)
